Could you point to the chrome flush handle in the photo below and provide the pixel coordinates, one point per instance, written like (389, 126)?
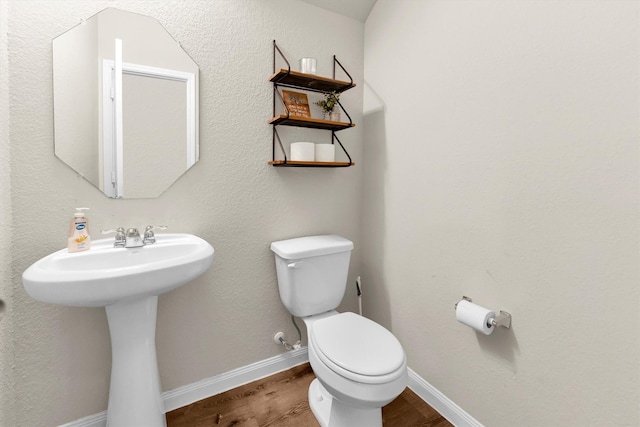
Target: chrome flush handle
(296, 264)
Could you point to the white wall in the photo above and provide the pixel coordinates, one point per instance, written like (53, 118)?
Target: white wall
(6, 349)
(504, 167)
(232, 198)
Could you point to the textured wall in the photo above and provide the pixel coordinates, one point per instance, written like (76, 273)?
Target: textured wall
(6, 348)
(232, 198)
(504, 166)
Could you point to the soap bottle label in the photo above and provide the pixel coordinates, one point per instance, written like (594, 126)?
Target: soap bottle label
(79, 240)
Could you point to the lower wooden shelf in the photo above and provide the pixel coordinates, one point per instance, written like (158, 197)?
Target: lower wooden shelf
(297, 163)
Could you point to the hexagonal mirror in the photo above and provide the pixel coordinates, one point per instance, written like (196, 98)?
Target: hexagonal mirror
(125, 104)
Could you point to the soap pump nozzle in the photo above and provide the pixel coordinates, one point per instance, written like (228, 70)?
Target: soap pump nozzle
(79, 213)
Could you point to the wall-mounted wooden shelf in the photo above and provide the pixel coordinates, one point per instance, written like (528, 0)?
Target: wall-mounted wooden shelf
(293, 163)
(306, 122)
(308, 82)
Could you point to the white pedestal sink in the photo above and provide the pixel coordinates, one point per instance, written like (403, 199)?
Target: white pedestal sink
(127, 283)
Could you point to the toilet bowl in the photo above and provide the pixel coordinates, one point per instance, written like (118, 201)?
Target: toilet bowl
(359, 368)
(359, 365)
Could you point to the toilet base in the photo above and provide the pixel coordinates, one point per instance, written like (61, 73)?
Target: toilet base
(330, 412)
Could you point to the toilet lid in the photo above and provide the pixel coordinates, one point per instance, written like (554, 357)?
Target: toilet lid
(358, 344)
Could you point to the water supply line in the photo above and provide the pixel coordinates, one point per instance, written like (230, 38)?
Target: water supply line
(359, 293)
(279, 338)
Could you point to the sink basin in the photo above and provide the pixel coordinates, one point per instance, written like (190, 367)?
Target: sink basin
(105, 275)
(127, 282)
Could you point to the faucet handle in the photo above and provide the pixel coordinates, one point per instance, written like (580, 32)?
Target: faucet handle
(149, 237)
(120, 238)
(112, 230)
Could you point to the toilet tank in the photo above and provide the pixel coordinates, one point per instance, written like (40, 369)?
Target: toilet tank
(312, 272)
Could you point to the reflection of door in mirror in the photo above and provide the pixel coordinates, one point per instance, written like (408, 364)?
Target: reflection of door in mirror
(158, 124)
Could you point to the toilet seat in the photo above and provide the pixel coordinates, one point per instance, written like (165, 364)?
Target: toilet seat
(358, 348)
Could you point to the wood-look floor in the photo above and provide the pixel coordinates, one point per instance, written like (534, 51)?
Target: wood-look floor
(281, 401)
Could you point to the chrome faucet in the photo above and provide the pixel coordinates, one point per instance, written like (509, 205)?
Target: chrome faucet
(131, 238)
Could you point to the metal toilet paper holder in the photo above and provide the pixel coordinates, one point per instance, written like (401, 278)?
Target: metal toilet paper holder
(502, 319)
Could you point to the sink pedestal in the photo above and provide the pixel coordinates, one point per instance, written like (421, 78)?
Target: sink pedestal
(134, 393)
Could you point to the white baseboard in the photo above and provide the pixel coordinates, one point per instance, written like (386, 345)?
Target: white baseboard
(95, 420)
(188, 394)
(441, 403)
(208, 387)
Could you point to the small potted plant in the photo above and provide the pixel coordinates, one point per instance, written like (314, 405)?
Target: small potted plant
(329, 105)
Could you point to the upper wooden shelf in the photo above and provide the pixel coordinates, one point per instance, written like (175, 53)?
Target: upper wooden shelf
(309, 81)
(309, 123)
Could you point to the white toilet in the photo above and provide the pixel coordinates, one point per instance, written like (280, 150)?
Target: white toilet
(359, 365)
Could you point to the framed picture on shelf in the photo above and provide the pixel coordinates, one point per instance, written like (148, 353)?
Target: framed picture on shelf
(296, 103)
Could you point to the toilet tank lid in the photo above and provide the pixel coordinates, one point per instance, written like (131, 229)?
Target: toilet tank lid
(304, 247)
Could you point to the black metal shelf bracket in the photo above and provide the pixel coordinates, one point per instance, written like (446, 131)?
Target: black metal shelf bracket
(276, 48)
(273, 146)
(334, 137)
(277, 92)
(345, 111)
(335, 61)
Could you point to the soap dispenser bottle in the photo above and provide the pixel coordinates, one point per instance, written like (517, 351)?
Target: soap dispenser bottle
(79, 238)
